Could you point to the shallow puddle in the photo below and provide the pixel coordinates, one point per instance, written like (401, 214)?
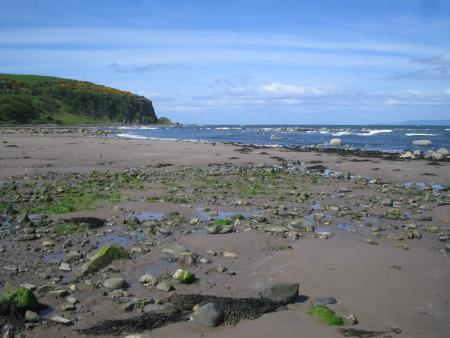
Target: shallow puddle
(119, 236)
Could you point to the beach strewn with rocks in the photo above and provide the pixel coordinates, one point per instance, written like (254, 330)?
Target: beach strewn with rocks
(103, 236)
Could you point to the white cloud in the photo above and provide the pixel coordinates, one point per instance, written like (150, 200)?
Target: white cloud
(292, 90)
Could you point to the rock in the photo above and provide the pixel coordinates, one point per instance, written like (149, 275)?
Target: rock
(184, 276)
(387, 202)
(148, 279)
(422, 142)
(22, 298)
(229, 254)
(72, 300)
(138, 336)
(325, 301)
(68, 307)
(105, 256)
(115, 283)
(276, 229)
(194, 221)
(160, 308)
(165, 286)
(60, 293)
(370, 241)
(32, 317)
(283, 293)
(408, 155)
(48, 244)
(335, 142)
(208, 315)
(176, 250)
(73, 255)
(61, 320)
(351, 319)
(65, 267)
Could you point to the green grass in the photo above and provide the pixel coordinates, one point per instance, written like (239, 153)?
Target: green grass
(325, 315)
(153, 199)
(4, 205)
(72, 119)
(31, 79)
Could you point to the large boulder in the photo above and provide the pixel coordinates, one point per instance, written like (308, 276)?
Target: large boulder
(105, 256)
(208, 315)
(282, 294)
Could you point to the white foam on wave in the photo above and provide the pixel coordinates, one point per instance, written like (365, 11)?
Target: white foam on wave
(133, 136)
(228, 128)
(141, 128)
(342, 133)
(421, 134)
(371, 132)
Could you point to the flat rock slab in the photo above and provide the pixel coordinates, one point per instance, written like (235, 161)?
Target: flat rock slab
(284, 293)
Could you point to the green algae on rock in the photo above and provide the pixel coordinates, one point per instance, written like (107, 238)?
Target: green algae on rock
(21, 298)
(105, 256)
(184, 276)
(325, 315)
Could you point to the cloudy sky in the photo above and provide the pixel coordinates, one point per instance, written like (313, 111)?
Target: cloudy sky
(245, 61)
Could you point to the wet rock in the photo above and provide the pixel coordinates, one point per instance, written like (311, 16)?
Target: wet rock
(283, 293)
(370, 241)
(184, 276)
(422, 142)
(208, 315)
(276, 229)
(165, 286)
(176, 250)
(387, 202)
(68, 307)
(115, 283)
(105, 256)
(65, 267)
(325, 301)
(32, 317)
(61, 320)
(335, 142)
(73, 255)
(148, 279)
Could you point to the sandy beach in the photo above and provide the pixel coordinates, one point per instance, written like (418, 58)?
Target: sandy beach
(370, 232)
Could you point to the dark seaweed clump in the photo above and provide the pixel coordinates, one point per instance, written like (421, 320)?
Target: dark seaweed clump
(234, 309)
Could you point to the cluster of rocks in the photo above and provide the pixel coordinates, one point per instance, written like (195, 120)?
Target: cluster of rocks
(85, 131)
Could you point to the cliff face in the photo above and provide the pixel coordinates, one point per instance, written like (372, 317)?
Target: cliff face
(140, 111)
(37, 99)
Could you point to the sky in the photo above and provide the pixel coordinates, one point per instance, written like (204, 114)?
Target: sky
(245, 61)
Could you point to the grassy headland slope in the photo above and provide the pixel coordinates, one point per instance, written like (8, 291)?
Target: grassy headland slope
(46, 99)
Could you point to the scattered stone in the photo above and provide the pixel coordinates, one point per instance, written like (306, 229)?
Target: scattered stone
(65, 267)
(61, 320)
(148, 279)
(160, 308)
(105, 256)
(115, 283)
(176, 250)
(32, 317)
(208, 315)
(325, 301)
(165, 286)
(283, 293)
(351, 319)
(184, 276)
(371, 241)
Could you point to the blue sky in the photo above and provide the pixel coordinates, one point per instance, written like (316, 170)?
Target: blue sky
(237, 62)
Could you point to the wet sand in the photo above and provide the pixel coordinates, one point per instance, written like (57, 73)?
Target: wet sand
(382, 284)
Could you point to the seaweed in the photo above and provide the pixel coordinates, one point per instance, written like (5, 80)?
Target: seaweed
(234, 310)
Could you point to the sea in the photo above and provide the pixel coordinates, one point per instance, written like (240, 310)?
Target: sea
(371, 138)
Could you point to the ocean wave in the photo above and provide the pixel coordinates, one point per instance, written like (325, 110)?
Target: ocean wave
(228, 128)
(342, 133)
(371, 132)
(140, 128)
(421, 134)
(133, 136)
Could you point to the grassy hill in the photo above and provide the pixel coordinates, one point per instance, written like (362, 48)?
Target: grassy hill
(47, 99)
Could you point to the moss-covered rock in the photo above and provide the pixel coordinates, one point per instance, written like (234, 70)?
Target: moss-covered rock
(325, 315)
(105, 256)
(184, 276)
(21, 298)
